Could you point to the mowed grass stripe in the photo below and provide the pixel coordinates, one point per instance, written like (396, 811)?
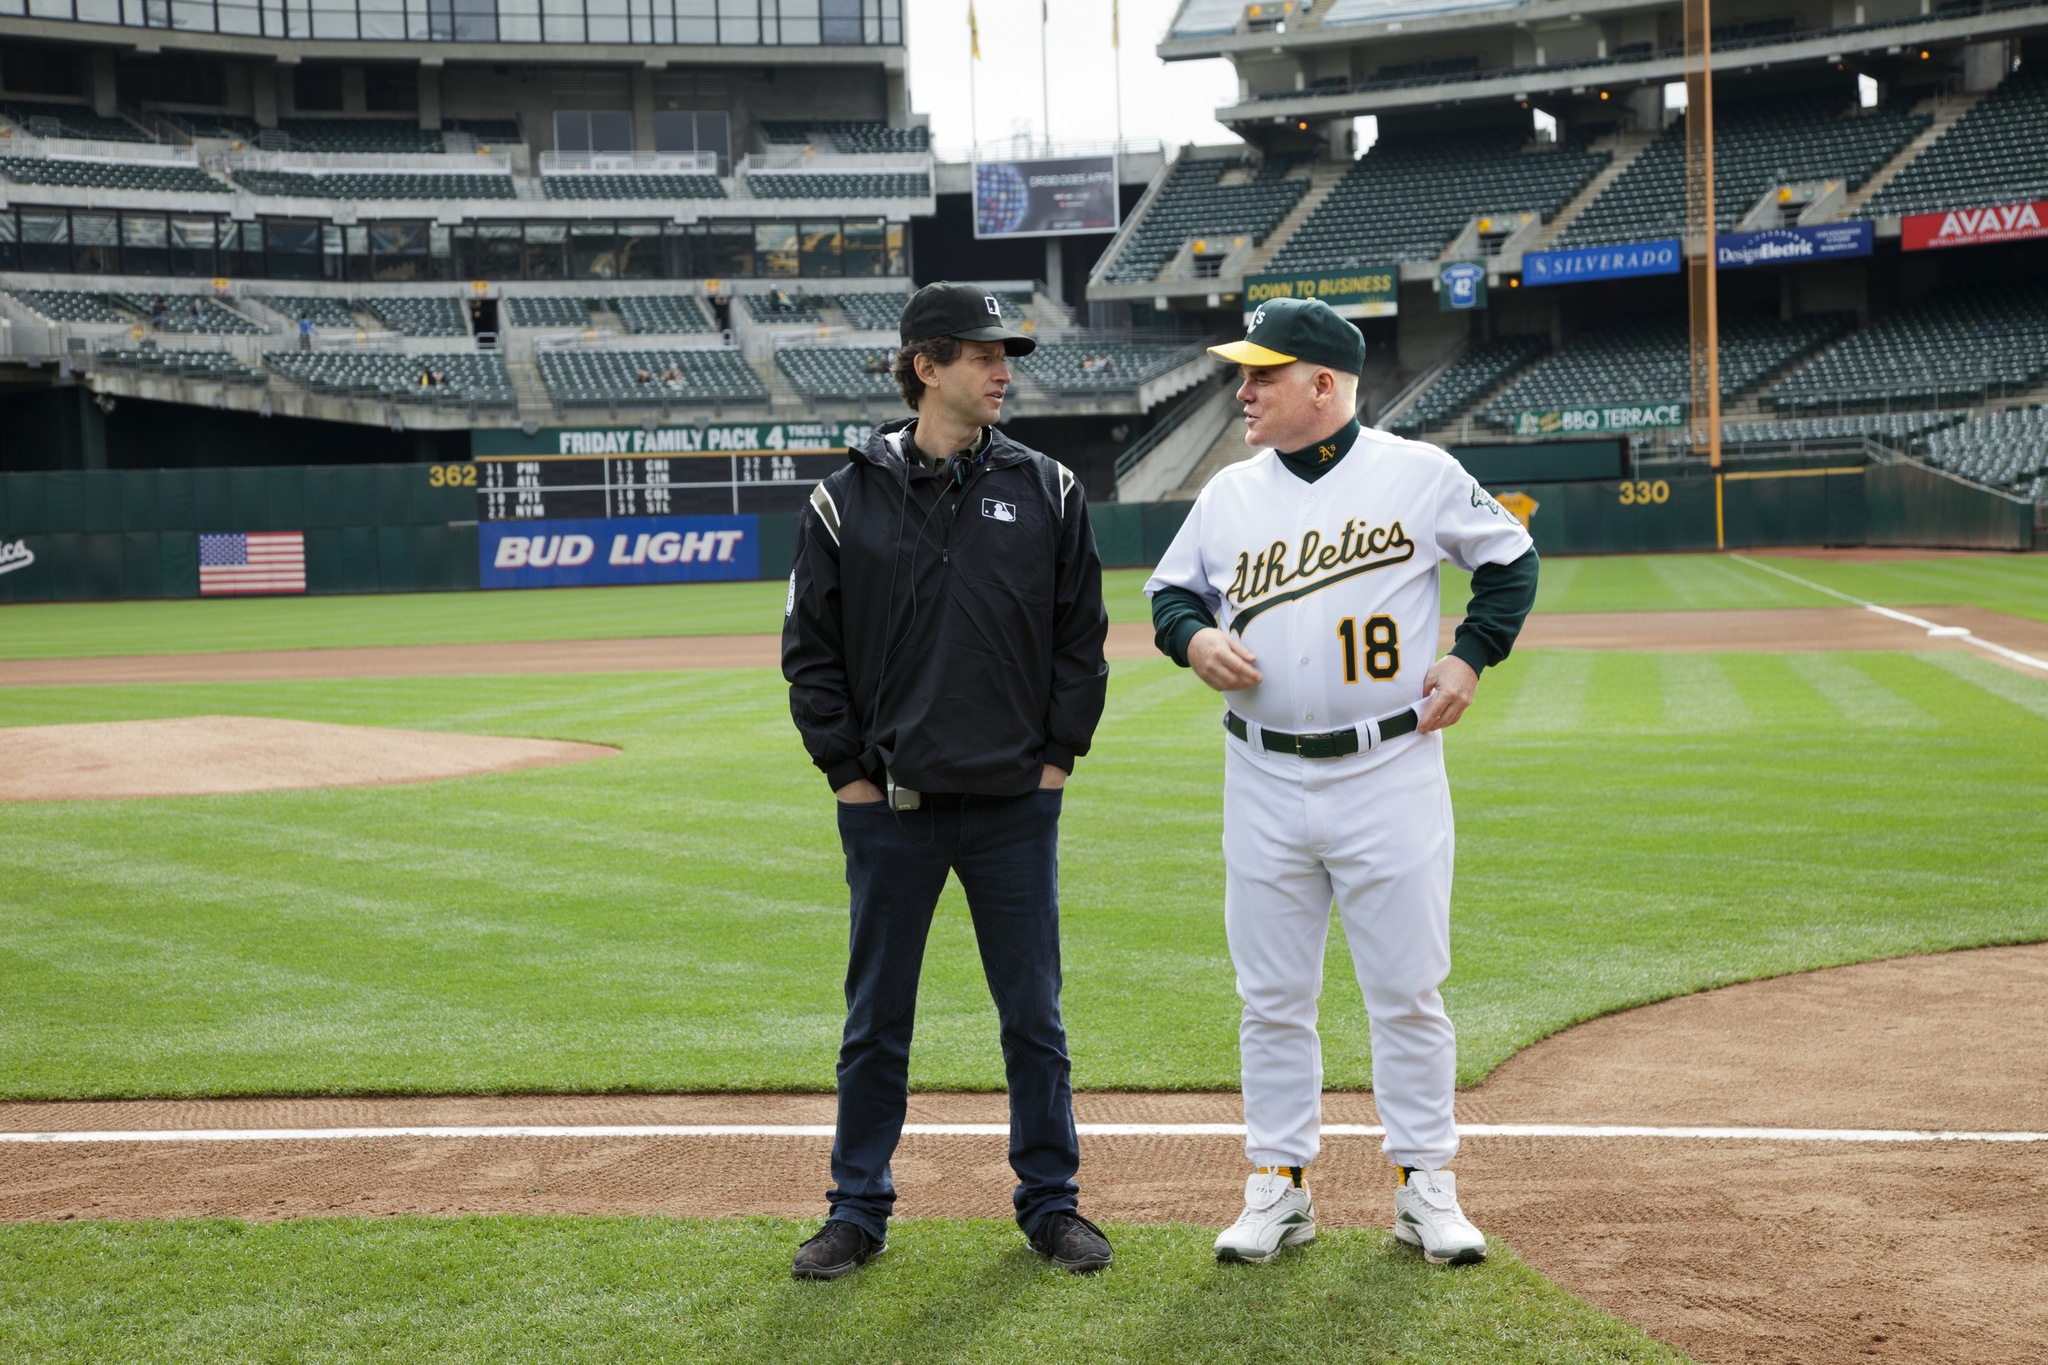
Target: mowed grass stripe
(1698, 695)
(1996, 680)
(674, 918)
(1847, 682)
(606, 1289)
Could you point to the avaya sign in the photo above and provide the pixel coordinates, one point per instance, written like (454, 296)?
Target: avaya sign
(1974, 227)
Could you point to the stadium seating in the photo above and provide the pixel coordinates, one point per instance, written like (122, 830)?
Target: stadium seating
(601, 378)
(2003, 449)
(602, 185)
(1786, 140)
(872, 312)
(1951, 347)
(70, 120)
(547, 312)
(68, 305)
(213, 319)
(172, 177)
(779, 307)
(230, 126)
(419, 317)
(213, 366)
(359, 135)
(1082, 367)
(1991, 155)
(1482, 367)
(846, 135)
(377, 185)
(661, 314)
(833, 185)
(1897, 428)
(1191, 204)
(321, 311)
(838, 371)
(1649, 361)
(468, 378)
(1406, 201)
(487, 131)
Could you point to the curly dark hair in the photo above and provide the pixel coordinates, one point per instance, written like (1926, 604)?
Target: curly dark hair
(942, 350)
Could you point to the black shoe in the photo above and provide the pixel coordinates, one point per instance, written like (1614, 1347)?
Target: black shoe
(1071, 1242)
(840, 1248)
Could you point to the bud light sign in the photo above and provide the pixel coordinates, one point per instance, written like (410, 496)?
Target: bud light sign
(582, 553)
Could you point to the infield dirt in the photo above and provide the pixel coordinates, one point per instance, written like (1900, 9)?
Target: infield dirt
(1730, 1250)
(1775, 630)
(215, 755)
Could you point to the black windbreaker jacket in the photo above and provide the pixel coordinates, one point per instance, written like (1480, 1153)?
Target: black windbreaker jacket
(985, 601)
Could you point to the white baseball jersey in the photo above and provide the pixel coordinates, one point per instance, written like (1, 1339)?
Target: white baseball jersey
(1333, 584)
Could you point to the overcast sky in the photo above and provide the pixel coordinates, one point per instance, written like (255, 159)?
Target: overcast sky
(1171, 103)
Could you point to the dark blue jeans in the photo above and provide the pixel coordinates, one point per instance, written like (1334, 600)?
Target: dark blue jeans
(1005, 851)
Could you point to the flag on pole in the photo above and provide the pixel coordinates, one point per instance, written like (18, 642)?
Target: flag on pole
(1115, 24)
(973, 32)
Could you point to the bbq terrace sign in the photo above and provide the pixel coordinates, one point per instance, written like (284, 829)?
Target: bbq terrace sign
(1974, 227)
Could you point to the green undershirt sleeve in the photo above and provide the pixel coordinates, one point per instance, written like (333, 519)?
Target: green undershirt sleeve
(1176, 615)
(1501, 597)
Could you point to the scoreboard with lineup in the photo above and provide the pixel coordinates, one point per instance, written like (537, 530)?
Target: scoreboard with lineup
(633, 472)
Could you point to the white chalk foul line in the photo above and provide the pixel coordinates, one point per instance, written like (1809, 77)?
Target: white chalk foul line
(1933, 630)
(824, 1130)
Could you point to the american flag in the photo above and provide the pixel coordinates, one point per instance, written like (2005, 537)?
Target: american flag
(260, 561)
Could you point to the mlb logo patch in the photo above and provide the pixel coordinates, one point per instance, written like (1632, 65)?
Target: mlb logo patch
(998, 511)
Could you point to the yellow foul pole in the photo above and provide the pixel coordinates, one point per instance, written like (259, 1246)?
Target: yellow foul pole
(1705, 415)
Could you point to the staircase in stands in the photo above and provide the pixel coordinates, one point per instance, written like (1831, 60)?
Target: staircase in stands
(1945, 109)
(1626, 146)
(1323, 178)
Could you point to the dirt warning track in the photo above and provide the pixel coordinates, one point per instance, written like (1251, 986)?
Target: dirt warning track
(1793, 629)
(1736, 1248)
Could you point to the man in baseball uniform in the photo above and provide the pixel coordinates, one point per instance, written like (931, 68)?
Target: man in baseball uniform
(1303, 587)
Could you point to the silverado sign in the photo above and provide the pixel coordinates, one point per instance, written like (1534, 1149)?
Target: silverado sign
(1974, 227)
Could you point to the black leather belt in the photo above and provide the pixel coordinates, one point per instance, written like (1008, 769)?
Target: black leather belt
(1328, 743)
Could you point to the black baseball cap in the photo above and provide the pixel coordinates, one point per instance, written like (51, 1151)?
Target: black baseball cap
(966, 311)
(1283, 331)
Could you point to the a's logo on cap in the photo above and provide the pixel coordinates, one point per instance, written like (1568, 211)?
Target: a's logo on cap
(1258, 318)
(988, 301)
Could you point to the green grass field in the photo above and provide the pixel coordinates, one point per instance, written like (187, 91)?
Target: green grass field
(1619, 583)
(656, 1289)
(1632, 827)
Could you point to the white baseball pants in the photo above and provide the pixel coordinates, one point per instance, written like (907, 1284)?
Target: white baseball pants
(1373, 834)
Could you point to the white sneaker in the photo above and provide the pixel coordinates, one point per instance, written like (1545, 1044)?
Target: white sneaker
(1426, 1215)
(1277, 1213)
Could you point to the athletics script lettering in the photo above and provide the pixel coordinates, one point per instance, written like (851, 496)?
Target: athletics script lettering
(1314, 565)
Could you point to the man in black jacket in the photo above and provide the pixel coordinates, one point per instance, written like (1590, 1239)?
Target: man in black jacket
(943, 645)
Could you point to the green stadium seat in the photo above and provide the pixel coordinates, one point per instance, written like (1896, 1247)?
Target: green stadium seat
(1991, 155)
(839, 371)
(1959, 345)
(1405, 201)
(415, 316)
(1650, 361)
(628, 185)
(603, 378)
(470, 377)
(166, 177)
(1787, 140)
(1191, 204)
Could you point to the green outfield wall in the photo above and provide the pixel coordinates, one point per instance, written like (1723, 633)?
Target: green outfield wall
(412, 527)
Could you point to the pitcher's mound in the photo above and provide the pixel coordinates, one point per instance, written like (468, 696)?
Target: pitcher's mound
(213, 755)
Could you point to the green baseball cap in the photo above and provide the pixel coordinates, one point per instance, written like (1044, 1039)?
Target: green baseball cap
(1283, 331)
